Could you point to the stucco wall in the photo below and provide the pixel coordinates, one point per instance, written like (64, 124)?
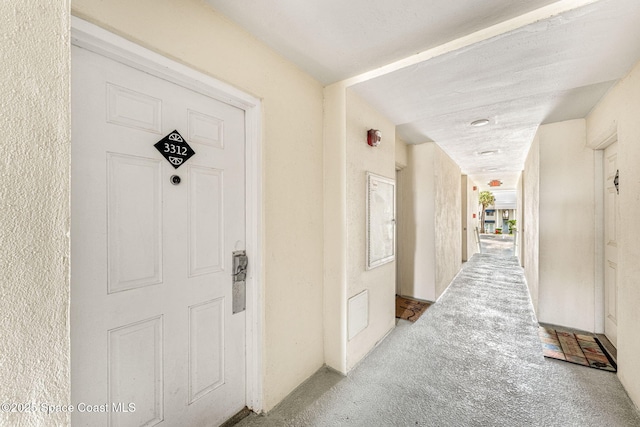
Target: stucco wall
(193, 33)
(416, 237)
(430, 238)
(380, 281)
(567, 226)
(448, 207)
(530, 225)
(618, 113)
(34, 209)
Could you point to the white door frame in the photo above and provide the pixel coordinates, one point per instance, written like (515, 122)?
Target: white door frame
(98, 40)
(606, 141)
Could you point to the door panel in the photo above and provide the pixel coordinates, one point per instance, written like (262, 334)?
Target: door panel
(135, 372)
(134, 222)
(151, 311)
(127, 107)
(206, 345)
(206, 219)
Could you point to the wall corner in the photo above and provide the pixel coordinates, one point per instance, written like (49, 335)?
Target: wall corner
(335, 228)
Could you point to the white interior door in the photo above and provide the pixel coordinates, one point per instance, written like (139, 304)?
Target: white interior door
(152, 331)
(611, 213)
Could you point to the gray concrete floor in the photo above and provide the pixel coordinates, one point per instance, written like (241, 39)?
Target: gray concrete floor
(497, 244)
(473, 359)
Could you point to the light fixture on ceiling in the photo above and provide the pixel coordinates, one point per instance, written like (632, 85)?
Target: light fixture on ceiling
(492, 169)
(480, 122)
(487, 153)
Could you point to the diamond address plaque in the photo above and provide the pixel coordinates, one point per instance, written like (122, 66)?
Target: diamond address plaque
(175, 149)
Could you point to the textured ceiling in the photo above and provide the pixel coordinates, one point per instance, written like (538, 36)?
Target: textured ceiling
(336, 39)
(433, 66)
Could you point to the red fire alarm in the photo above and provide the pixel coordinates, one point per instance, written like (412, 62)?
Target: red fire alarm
(474, 189)
(474, 215)
(373, 137)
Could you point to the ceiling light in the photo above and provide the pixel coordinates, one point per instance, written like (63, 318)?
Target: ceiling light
(487, 153)
(491, 169)
(480, 122)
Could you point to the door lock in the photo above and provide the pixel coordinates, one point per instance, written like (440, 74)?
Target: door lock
(240, 263)
(239, 274)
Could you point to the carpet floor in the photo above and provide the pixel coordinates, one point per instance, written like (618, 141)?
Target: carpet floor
(473, 359)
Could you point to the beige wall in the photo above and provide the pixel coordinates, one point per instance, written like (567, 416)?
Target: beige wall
(519, 216)
(618, 114)
(405, 230)
(401, 154)
(469, 198)
(335, 227)
(464, 218)
(530, 225)
(473, 197)
(430, 222)
(402, 202)
(380, 281)
(35, 257)
(562, 156)
(292, 164)
(416, 235)
(567, 226)
(34, 208)
(447, 220)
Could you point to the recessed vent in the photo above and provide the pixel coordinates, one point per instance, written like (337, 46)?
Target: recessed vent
(358, 313)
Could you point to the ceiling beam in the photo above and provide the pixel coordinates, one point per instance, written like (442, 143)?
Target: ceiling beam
(479, 36)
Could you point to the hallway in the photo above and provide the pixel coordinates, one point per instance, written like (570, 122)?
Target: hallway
(497, 244)
(473, 359)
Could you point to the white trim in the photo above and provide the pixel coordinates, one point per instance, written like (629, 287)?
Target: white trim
(603, 137)
(606, 139)
(98, 40)
(599, 308)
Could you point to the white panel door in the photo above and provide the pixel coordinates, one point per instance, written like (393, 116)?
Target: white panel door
(611, 234)
(153, 336)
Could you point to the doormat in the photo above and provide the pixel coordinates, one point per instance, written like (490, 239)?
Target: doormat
(410, 309)
(575, 348)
